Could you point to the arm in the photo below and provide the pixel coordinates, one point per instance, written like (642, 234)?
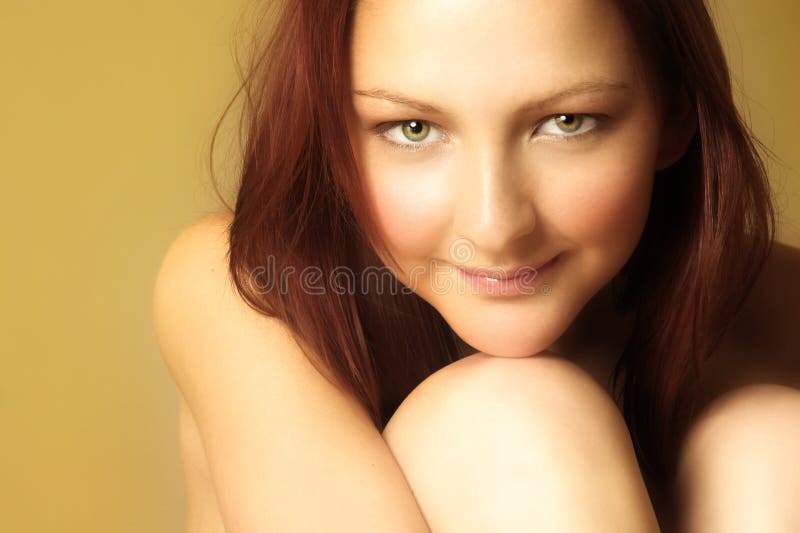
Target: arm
(286, 450)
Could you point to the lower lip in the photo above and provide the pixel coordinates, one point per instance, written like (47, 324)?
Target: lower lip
(525, 283)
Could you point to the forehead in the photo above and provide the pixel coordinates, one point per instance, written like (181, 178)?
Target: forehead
(488, 49)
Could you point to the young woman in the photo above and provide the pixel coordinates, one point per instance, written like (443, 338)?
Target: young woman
(623, 355)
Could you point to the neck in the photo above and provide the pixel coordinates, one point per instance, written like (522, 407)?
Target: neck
(598, 327)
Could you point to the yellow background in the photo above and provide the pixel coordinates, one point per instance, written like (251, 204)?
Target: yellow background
(106, 111)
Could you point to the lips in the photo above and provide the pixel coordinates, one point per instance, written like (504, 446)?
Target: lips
(520, 281)
(504, 273)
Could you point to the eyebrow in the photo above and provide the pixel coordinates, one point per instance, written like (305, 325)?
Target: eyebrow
(584, 87)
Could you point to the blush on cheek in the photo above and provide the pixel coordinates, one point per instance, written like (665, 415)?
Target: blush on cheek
(603, 194)
(411, 213)
(608, 204)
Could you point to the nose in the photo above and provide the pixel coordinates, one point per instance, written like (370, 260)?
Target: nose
(495, 209)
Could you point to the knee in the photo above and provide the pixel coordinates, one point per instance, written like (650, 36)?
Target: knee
(756, 423)
(531, 438)
(738, 466)
(544, 399)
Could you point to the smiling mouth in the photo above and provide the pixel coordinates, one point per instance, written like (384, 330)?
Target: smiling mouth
(497, 274)
(524, 281)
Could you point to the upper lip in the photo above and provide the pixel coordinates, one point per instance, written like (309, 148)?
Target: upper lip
(502, 272)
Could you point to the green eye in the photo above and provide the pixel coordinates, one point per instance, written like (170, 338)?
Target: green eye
(569, 123)
(408, 134)
(570, 126)
(415, 130)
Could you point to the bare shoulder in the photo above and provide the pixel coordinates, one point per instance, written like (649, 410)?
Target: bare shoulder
(199, 314)
(775, 299)
(286, 450)
(751, 402)
(192, 271)
(763, 344)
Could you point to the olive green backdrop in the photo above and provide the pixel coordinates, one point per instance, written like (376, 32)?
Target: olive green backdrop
(106, 112)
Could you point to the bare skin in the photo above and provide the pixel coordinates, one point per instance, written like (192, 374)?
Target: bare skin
(452, 407)
(511, 440)
(519, 444)
(265, 436)
(740, 466)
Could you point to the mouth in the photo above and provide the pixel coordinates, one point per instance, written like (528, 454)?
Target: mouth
(521, 280)
(502, 273)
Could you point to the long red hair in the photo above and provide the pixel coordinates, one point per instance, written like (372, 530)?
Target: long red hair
(300, 203)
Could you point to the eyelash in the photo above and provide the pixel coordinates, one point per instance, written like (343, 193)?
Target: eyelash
(381, 130)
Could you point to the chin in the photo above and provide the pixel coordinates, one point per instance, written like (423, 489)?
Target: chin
(511, 346)
(519, 330)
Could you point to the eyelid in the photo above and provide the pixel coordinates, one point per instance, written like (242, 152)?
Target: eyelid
(570, 137)
(381, 130)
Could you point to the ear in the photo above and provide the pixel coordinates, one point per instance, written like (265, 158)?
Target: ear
(678, 127)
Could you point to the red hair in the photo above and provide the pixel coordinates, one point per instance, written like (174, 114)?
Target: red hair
(300, 202)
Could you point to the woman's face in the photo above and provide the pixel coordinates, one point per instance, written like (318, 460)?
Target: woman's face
(537, 140)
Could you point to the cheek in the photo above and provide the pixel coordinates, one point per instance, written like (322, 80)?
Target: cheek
(612, 202)
(412, 210)
(604, 201)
